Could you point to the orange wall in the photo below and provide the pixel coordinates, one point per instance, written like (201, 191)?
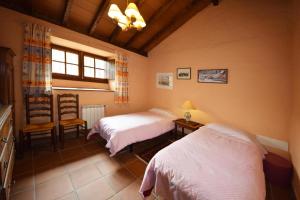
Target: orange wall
(294, 138)
(252, 40)
(11, 35)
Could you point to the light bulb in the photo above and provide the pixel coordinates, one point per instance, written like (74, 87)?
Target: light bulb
(114, 12)
(132, 11)
(123, 22)
(139, 23)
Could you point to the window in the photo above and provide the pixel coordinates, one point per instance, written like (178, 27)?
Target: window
(65, 62)
(76, 65)
(94, 67)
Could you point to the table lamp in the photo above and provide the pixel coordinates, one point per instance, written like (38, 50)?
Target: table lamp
(187, 105)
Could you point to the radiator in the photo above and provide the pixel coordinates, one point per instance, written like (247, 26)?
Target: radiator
(92, 113)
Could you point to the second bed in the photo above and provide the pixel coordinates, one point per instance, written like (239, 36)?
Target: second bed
(123, 130)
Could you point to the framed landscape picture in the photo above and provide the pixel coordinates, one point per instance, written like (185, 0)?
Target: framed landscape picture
(213, 76)
(184, 73)
(164, 80)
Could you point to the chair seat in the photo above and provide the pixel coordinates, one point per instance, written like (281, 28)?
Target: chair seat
(71, 122)
(38, 127)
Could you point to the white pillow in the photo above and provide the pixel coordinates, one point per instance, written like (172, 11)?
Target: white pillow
(237, 134)
(162, 112)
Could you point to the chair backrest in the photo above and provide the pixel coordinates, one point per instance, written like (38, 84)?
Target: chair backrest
(67, 104)
(38, 107)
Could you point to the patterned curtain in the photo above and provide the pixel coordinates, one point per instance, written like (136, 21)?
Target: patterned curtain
(37, 77)
(110, 70)
(121, 79)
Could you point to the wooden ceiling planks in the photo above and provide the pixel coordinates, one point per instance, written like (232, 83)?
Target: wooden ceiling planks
(102, 8)
(166, 18)
(67, 11)
(82, 13)
(182, 17)
(90, 17)
(152, 20)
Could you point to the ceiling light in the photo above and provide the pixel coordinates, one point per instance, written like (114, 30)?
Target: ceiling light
(114, 12)
(131, 19)
(132, 11)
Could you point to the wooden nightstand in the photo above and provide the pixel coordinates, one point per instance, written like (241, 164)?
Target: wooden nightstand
(190, 125)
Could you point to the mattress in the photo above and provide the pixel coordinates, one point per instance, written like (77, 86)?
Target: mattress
(208, 165)
(122, 130)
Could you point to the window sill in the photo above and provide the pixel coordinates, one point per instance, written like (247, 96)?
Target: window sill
(82, 89)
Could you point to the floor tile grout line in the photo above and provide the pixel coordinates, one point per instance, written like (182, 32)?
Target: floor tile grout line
(34, 186)
(134, 175)
(68, 172)
(138, 157)
(63, 196)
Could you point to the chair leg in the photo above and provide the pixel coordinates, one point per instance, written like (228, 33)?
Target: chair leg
(28, 140)
(59, 133)
(21, 142)
(77, 128)
(53, 137)
(62, 135)
(85, 130)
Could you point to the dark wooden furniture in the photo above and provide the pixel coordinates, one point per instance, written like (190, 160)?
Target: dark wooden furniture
(68, 108)
(7, 147)
(39, 119)
(7, 122)
(190, 125)
(278, 170)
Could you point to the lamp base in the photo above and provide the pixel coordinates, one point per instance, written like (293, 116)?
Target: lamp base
(187, 116)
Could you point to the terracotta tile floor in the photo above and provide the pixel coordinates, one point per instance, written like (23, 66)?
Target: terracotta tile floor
(81, 171)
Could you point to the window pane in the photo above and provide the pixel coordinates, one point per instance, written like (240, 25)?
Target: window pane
(100, 73)
(89, 72)
(72, 58)
(58, 67)
(88, 61)
(58, 55)
(100, 63)
(72, 70)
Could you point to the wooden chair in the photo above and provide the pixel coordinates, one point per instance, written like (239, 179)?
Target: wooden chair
(68, 104)
(38, 110)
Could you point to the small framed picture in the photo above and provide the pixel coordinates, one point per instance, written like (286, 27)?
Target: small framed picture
(213, 76)
(164, 80)
(184, 73)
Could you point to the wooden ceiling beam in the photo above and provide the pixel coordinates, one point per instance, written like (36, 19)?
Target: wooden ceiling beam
(102, 7)
(117, 29)
(154, 18)
(215, 2)
(30, 12)
(115, 33)
(67, 12)
(183, 16)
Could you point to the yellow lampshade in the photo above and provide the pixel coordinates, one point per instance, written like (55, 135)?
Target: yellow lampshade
(187, 105)
(132, 11)
(114, 12)
(139, 23)
(123, 22)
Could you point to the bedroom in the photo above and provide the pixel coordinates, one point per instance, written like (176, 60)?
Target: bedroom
(256, 41)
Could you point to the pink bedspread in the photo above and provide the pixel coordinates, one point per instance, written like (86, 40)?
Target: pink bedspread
(207, 165)
(122, 130)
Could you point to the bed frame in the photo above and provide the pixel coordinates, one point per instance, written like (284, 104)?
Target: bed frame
(153, 141)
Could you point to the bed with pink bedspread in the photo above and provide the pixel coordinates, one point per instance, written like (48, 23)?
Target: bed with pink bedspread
(122, 130)
(212, 163)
